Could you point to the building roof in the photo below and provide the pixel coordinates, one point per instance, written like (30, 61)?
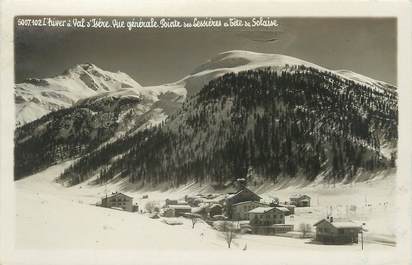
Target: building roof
(348, 224)
(261, 210)
(299, 196)
(180, 207)
(245, 202)
(199, 209)
(287, 205)
(113, 194)
(283, 209)
(340, 223)
(240, 191)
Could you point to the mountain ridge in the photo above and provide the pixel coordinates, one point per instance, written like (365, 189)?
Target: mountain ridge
(37, 97)
(34, 99)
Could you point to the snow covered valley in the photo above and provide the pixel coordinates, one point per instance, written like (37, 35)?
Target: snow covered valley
(50, 216)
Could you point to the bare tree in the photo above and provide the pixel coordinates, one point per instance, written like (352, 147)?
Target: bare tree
(305, 229)
(228, 232)
(196, 218)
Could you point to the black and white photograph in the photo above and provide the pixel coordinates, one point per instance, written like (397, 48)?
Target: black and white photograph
(225, 135)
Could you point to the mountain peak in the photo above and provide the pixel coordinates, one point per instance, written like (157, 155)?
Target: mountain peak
(82, 67)
(243, 60)
(77, 82)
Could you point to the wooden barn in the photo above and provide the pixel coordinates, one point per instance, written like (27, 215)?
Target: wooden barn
(118, 200)
(329, 231)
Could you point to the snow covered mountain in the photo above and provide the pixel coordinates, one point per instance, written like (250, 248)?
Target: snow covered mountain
(279, 115)
(37, 97)
(238, 60)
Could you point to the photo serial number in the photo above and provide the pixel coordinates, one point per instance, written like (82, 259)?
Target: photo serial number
(146, 22)
(42, 22)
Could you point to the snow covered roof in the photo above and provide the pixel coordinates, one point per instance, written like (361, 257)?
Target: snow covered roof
(180, 207)
(287, 205)
(231, 195)
(240, 191)
(198, 209)
(299, 196)
(245, 202)
(261, 209)
(283, 209)
(114, 194)
(170, 221)
(347, 224)
(341, 224)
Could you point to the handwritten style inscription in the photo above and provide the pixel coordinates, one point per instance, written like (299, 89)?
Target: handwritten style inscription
(146, 22)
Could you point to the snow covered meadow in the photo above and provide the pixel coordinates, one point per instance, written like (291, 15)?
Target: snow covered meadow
(52, 217)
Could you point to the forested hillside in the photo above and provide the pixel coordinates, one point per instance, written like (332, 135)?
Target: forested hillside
(69, 133)
(297, 122)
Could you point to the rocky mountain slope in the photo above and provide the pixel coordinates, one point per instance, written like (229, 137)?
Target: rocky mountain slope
(36, 97)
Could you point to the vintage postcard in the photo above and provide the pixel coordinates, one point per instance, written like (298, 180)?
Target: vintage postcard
(269, 136)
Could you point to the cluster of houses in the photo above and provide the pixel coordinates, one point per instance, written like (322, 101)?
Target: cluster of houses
(246, 206)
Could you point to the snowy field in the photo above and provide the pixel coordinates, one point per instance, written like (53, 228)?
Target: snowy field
(52, 217)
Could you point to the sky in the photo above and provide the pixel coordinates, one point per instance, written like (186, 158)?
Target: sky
(156, 56)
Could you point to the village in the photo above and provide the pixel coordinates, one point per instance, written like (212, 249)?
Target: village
(244, 212)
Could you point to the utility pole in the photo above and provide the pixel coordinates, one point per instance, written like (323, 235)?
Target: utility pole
(362, 238)
(105, 188)
(362, 231)
(105, 191)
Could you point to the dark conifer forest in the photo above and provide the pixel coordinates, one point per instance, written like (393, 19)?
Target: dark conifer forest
(66, 134)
